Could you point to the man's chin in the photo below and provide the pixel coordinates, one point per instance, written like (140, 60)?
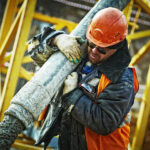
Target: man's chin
(93, 62)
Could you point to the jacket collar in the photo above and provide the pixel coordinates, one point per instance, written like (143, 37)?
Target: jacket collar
(114, 66)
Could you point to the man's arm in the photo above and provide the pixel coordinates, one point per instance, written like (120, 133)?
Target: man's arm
(106, 115)
(80, 30)
(40, 47)
(43, 45)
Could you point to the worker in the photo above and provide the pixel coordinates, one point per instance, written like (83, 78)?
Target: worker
(97, 96)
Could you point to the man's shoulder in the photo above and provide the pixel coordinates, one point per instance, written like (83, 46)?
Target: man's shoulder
(127, 75)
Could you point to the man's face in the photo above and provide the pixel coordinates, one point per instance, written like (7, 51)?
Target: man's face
(97, 54)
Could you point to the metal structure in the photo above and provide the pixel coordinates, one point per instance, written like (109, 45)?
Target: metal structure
(17, 29)
(144, 111)
(20, 26)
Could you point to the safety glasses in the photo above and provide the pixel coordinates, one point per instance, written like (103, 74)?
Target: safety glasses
(102, 50)
(92, 45)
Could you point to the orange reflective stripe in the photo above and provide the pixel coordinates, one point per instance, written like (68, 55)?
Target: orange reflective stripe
(136, 83)
(104, 81)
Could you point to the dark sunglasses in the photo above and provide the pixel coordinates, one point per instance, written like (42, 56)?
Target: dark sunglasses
(101, 50)
(92, 45)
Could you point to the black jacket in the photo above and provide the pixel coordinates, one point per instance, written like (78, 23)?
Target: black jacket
(102, 117)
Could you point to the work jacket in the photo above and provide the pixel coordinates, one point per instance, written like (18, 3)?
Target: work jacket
(96, 116)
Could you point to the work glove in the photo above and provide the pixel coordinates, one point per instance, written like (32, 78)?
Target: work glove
(10, 127)
(69, 46)
(39, 47)
(70, 86)
(70, 83)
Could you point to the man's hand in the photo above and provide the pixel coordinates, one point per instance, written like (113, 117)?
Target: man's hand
(69, 45)
(39, 47)
(70, 83)
(71, 94)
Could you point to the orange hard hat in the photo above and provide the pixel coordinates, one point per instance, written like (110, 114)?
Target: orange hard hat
(108, 27)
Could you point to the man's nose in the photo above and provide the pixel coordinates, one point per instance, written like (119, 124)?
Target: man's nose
(94, 50)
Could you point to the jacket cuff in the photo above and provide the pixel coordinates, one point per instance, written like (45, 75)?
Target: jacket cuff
(70, 99)
(52, 33)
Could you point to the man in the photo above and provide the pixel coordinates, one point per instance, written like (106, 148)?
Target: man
(97, 111)
(98, 95)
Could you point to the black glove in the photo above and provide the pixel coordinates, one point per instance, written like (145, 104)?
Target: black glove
(10, 127)
(71, 98)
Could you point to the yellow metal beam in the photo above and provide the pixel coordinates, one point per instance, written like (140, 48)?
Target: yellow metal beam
(137, 57)
(59, 26)
(6, 58)
(138, 35)
(27, 59)
(54, 20)
(145, 4)
(127, 11)
(20, 1)
(59, 23)
(10, 10)
(4, 70)
(25, 74)
(0, 83)
(135, 22)
(142, 117)
(17, 55)
(22, 145)
(6, 43)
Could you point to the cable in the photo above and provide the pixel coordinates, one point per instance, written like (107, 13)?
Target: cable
(77, 5)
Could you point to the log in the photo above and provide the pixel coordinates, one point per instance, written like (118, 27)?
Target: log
(29, 102)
